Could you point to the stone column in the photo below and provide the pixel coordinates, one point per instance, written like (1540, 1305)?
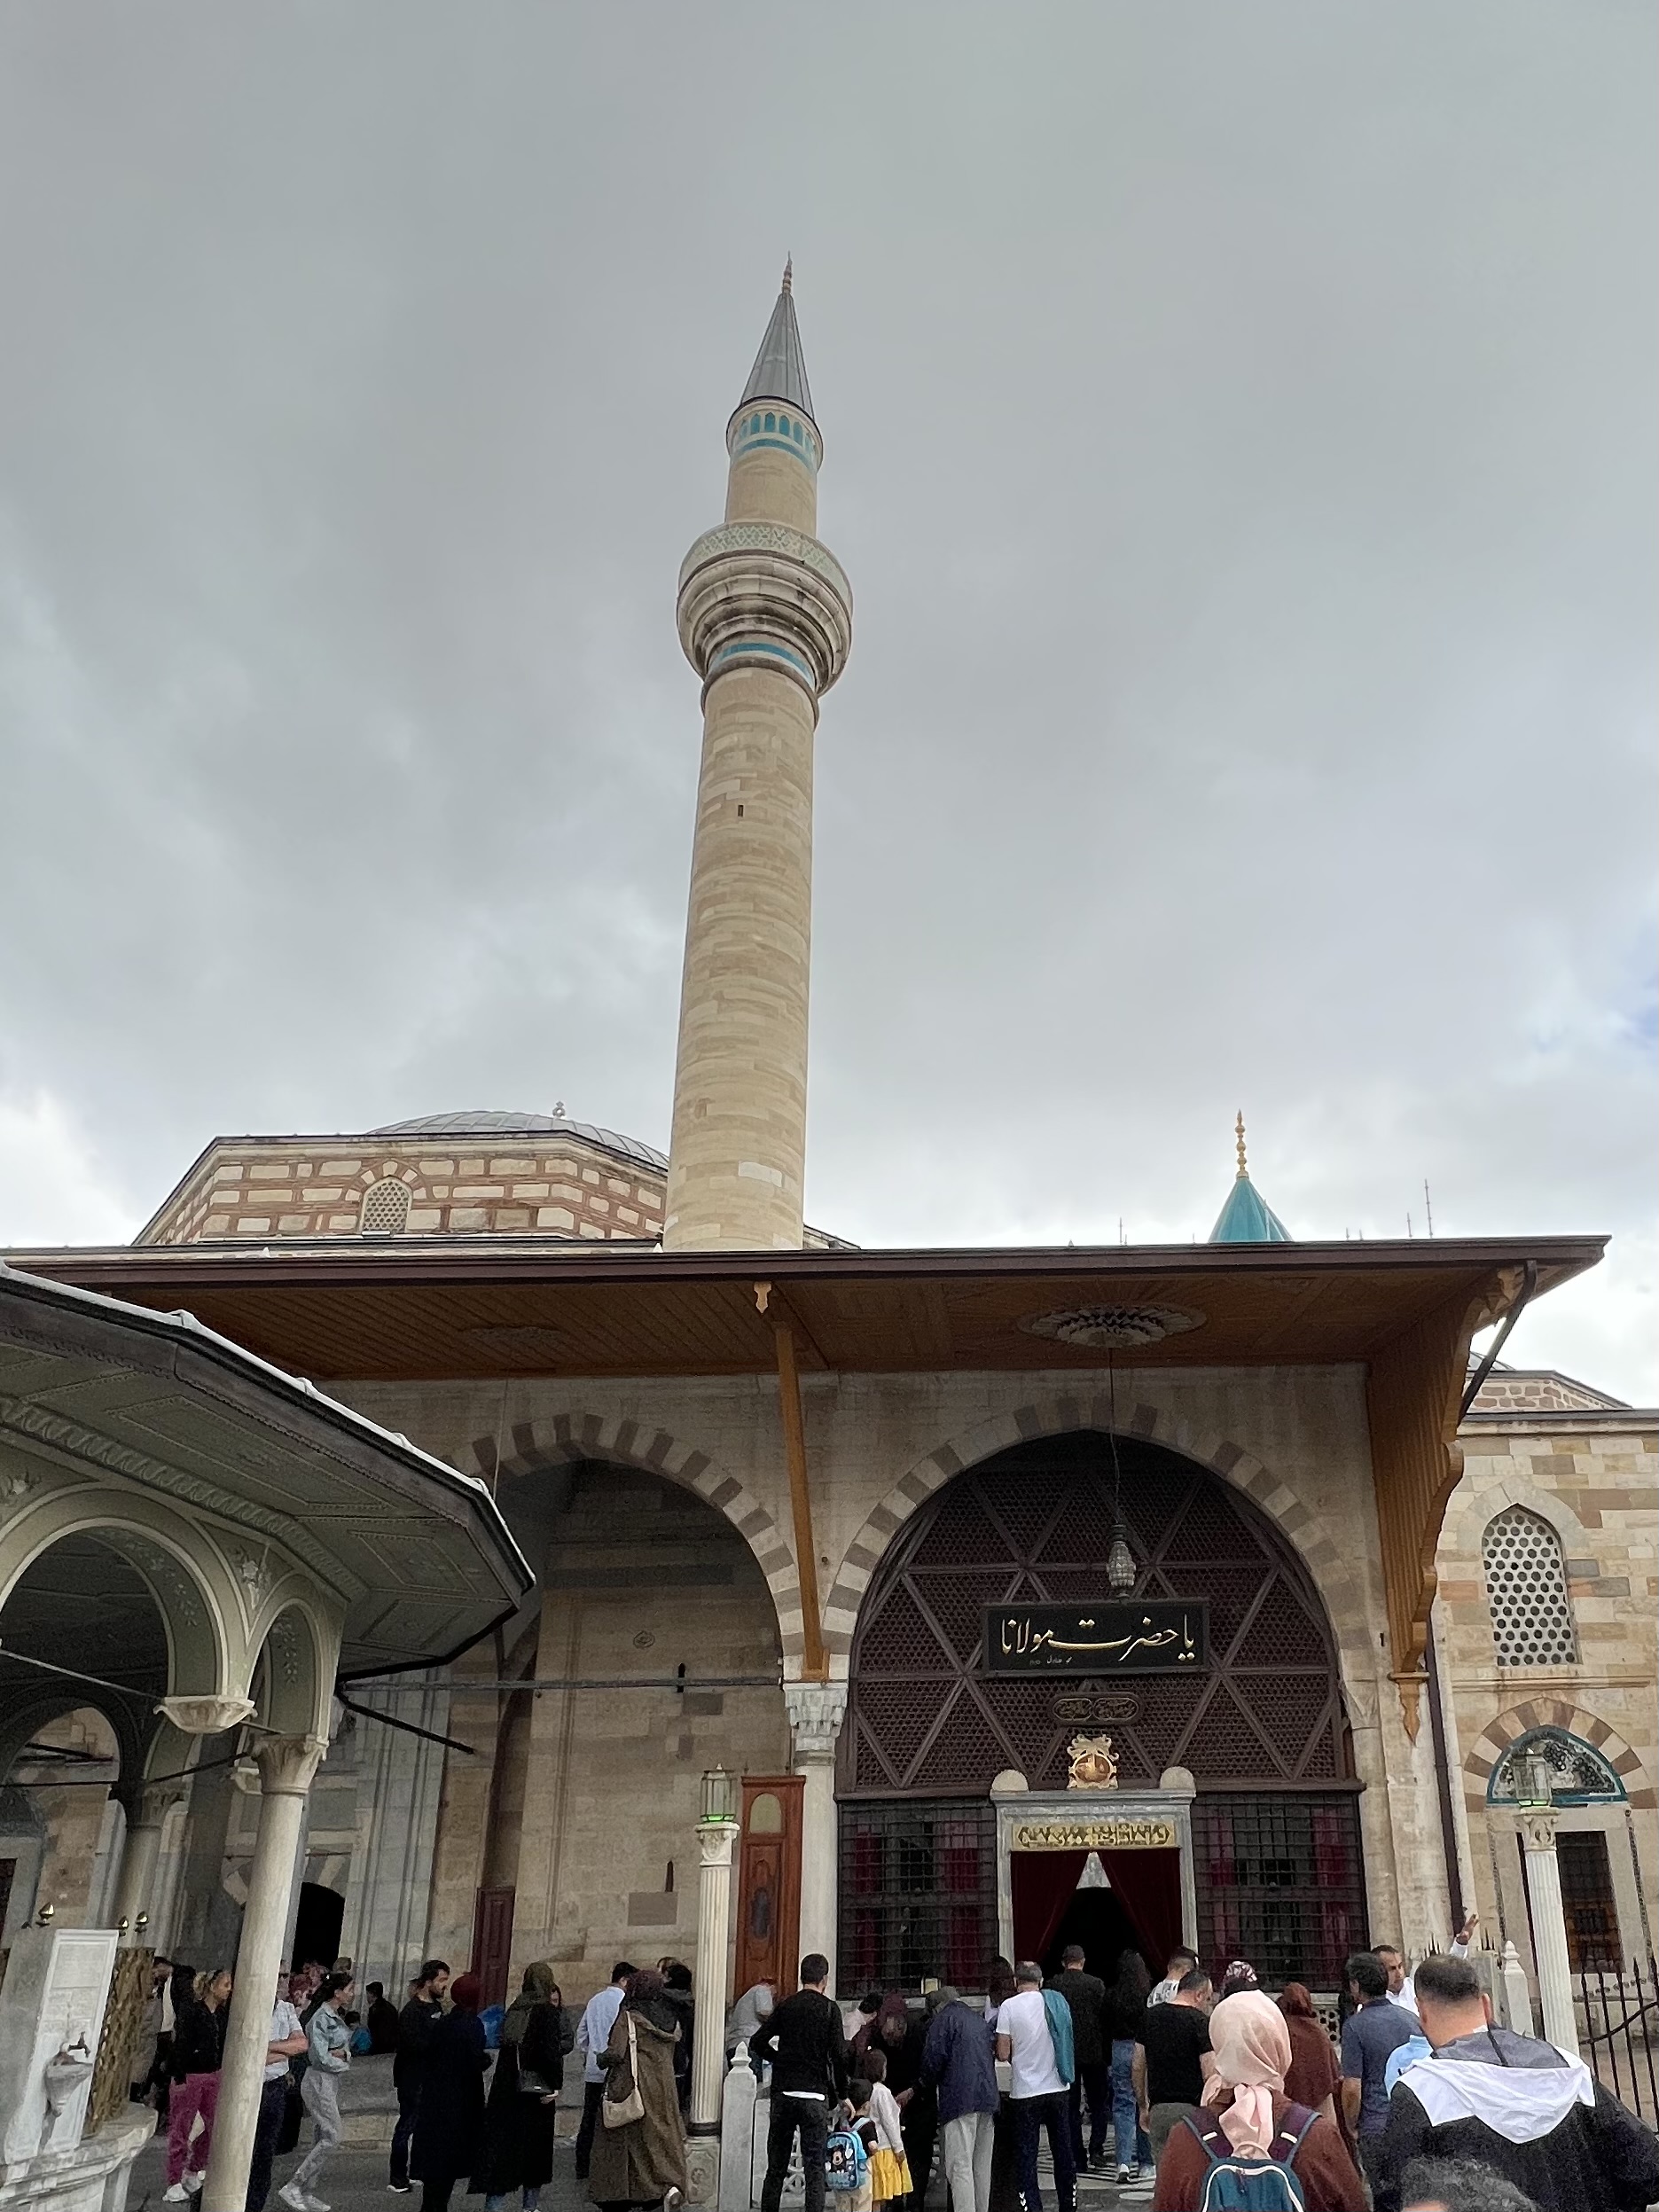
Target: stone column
(287, 1764)
(816, 1711)
(1549, 1928)
(714, 1838)
(134, 1884)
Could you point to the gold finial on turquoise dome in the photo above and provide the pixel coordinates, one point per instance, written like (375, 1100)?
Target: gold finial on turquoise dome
(1238, 1132)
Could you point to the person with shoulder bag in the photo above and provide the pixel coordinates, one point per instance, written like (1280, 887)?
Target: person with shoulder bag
(638, 2156)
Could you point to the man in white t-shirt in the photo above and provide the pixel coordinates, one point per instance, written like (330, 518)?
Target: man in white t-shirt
(1037, 2090)
(1402, 1988)
(287, 2041)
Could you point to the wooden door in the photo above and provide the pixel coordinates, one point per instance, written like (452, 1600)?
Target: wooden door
(769, 1882)
(492, 1942)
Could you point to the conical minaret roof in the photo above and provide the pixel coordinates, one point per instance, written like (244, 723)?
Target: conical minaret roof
(781, 367)
(1246, 1217)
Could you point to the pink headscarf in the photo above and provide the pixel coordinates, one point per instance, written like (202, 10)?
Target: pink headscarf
(1252, 2047)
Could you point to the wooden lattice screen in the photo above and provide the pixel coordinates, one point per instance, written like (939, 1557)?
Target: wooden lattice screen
(118, 2041)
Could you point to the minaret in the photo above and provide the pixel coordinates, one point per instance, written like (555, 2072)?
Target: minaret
(765, 617)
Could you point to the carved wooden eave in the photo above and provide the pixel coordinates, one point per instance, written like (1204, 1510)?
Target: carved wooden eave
(1413, 1389)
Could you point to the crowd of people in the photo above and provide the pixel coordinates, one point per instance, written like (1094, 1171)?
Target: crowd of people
(1208, 2096)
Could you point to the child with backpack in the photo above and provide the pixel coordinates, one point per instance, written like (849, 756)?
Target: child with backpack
(847, 2152)
(1249, 2149)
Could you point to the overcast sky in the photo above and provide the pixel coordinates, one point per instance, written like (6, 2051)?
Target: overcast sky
(1239, 432)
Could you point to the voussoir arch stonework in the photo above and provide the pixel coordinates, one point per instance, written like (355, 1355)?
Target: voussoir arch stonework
(564, 1438)
(1302, 1527)
(1496, 1737)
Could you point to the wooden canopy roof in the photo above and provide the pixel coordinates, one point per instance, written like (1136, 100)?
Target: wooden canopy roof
(417, 1308)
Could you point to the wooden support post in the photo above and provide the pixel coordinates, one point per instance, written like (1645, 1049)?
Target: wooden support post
(1412, 1395)
(814, 1658)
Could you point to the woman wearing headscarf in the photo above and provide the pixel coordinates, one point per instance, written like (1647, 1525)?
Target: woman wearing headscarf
(1312, 2075)
(449, 2139)
(642, 2161)
(1246, 2115)
(524, 2095)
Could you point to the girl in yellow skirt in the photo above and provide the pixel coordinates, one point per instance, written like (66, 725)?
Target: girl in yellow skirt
(889, 2170)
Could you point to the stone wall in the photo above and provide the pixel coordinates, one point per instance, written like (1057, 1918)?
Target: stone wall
(589, 1812)
(274, 1187)
(1296, 1439)
(1593, 1477)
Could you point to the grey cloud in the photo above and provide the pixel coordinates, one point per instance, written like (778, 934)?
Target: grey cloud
(1238, 435)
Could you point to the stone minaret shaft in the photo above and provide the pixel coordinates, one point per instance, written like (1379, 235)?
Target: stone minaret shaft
(765, 617)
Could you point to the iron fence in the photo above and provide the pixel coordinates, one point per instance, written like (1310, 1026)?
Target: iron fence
(1618, 2016)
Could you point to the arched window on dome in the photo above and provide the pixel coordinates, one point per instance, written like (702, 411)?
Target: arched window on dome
(1526, 1588)
(385, 1208)
(1579, 1774)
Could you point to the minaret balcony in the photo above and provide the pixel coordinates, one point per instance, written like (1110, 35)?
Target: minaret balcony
(758, 594)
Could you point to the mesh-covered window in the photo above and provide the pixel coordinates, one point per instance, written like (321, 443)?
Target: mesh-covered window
(1526, 1588)
(385, 1209)
(918, 1894)
(1279, 1882)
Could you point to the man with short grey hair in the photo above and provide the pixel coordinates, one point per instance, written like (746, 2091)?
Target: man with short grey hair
(958, 2061)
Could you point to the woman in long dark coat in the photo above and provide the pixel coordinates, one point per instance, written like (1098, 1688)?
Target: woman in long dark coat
(642, 2162)
(449, 2140)
(519, 2118)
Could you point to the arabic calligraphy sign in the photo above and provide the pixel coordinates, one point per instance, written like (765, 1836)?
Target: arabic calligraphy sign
(1150, 1636)
(1094, 1835)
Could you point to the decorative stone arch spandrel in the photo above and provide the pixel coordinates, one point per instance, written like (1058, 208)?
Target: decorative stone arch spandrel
(565, 1438)
(298, 1637)
(196, 1596)
(1344, 1600)
(1545, 1712)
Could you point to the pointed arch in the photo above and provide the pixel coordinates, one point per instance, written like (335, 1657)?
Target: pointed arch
(1303, 1528)
(569, 1437)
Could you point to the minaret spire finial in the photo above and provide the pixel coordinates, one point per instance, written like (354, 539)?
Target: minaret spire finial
(1244, 1173)
(789, 272)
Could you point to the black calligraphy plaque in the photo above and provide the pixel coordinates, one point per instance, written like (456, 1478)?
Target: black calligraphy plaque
(1151, 1635)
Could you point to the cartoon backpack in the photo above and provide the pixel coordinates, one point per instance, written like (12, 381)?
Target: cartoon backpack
(846, 2161)
(1238, 2181)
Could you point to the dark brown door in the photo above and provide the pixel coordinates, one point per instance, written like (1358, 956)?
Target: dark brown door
(769, 1882)
(492, 1942)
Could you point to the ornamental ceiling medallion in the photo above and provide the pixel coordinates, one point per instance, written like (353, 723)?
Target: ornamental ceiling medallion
(1112, 1328)
(1093, 1764)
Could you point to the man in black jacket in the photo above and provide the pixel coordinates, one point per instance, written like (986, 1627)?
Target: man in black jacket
(415, 2026)
(1512, 2103)
(1086, 1998)
(808, 2051)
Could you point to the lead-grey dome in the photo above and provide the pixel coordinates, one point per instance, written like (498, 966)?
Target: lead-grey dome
(498, 1122)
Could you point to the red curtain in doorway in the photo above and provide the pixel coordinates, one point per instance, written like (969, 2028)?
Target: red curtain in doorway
(1148, 1886)
(1044, 1882)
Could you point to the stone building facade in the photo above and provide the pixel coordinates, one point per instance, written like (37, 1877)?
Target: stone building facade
(1549, 1639)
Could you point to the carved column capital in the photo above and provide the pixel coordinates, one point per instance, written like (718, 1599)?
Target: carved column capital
(205, 1717)
(286, 1764)
(714, 1838)
(1539, 1825)
(816, 1711)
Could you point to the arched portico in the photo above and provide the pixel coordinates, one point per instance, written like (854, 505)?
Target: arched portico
(145, 1439)
(570, 1437)
(1272, 1851)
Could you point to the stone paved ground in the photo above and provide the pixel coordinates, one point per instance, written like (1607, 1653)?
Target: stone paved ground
(356, 2182)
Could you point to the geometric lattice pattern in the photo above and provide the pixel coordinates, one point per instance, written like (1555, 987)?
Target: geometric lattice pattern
(385, 1209)
(1526, 1588)
(1035, 1522)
